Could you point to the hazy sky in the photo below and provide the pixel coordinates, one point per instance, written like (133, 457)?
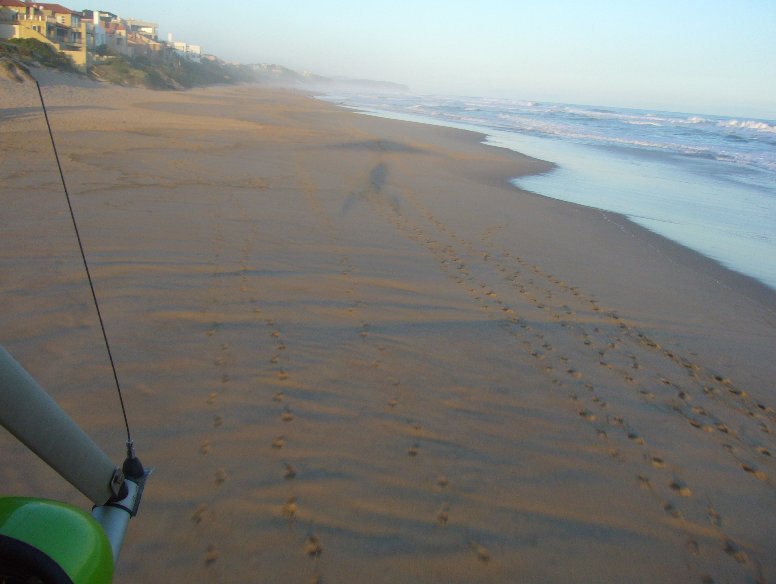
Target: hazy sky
(701, 56)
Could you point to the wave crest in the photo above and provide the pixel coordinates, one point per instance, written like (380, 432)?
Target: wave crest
(748, 125)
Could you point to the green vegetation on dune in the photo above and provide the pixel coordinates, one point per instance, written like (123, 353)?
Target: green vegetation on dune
(166, 71)
(31, 51)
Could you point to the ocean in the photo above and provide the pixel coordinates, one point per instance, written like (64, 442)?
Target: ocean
(706, 182)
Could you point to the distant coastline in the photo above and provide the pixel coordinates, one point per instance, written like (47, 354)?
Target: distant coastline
(17, 55)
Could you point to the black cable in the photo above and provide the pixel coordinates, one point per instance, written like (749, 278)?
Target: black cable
(86, 265)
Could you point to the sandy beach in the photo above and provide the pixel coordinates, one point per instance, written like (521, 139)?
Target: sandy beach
(353, 352)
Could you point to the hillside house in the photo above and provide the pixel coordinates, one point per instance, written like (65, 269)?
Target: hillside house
(10, 11)
(53, 24)
(79, 34)
(144, 37)
(143, 28)
(117, 37)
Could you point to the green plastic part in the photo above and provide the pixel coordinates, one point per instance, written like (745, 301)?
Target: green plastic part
(66, 534)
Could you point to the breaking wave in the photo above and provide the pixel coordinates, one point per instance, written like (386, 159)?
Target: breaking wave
(749, 143)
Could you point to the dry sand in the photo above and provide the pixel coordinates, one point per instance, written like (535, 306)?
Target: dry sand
(354, 353)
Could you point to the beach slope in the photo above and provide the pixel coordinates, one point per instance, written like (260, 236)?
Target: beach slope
(353, 352)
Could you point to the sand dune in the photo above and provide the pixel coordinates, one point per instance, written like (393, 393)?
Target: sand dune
(353, 352)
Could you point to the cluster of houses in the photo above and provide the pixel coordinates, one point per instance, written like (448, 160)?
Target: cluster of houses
(80, 34)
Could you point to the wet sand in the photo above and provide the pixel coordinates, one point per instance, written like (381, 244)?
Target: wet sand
(353, 352)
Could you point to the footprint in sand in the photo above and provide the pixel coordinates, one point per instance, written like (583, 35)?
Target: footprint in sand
(204, 448)
(483, 554)
(218, 421)
(199, 513)
(700, 426)
(279, 442)
(221, 476)
(443, 516)
(656, 461)
(714, 517)
(313, 546)
(289, 508)
(758, 474)
(287, 415)
(211, 555)
(443, 481)
(212, 399)
(732, 549)
(413, 450)
(289, 472)
(680, 487)
(671, 510)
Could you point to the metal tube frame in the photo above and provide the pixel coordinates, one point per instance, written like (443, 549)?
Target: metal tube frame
(37, 421)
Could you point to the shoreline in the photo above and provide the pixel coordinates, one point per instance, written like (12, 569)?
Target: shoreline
(353, 350)
(506, 139)
(734, 281)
